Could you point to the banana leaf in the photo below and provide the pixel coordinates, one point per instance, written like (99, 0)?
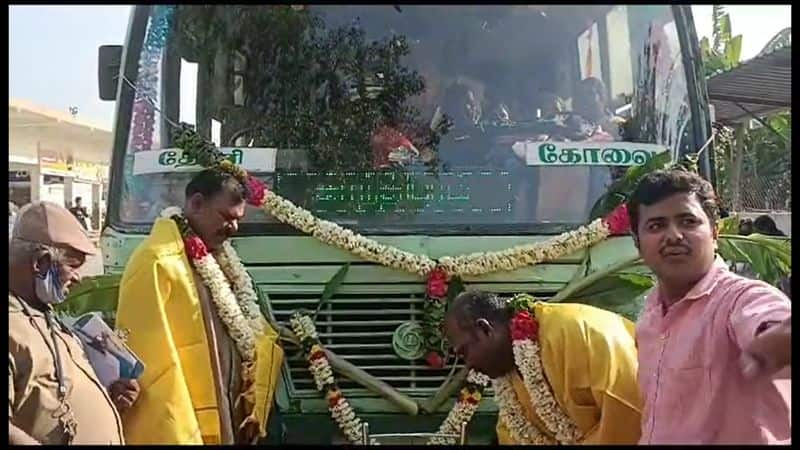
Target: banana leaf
(620, 190)
(93, 294)
(622, 293)
(331, 287)
(733, 51)
(769, 258)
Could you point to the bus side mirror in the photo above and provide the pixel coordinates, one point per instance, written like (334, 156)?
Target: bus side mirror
(109, 60)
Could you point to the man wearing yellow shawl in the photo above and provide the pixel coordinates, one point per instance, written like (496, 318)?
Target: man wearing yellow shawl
(211, 359)
(562, 373)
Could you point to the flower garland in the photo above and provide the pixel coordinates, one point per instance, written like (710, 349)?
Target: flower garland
(438, 273)
(527, 357)
(320, 368)
(233, 295)
(468, 399)
(474, 264)
(227, 305)
(242, 285)
(433, 310)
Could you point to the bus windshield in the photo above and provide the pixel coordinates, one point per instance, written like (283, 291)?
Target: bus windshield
(404, 119)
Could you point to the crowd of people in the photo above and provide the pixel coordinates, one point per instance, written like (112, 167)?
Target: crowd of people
(708, 361)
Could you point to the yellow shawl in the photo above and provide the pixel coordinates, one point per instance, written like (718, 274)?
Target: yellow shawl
(159, 305)
(589, 358)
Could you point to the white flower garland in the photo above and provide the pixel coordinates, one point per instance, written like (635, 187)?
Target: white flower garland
(242, 285)
(512, 415)
(473, 264)
(240, 312)
(462, 411)
(343, 413)
(332, 234)
(227, 307)
(528, 360)
(513, 258)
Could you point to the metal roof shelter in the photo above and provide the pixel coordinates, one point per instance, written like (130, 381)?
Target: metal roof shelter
(56, 157)
(31, 127)
(762, 85)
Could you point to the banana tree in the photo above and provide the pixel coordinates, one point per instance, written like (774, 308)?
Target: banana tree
(724, 53)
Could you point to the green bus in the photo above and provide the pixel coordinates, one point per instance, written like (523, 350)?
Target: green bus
(419, 126)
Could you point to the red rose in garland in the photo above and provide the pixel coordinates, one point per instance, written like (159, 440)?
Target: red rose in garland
(524, 326)
(437, 284)
(195, 247)
(435, 360)
(618, 221)
(257, 191)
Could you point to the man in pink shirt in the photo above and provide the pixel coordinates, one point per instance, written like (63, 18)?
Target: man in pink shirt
(712, 344)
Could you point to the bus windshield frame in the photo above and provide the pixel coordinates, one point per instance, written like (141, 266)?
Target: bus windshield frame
(699, 124)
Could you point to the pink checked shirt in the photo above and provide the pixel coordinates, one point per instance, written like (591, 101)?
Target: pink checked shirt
(689, 373)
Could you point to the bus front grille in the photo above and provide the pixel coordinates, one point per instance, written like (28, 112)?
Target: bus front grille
(359, 328)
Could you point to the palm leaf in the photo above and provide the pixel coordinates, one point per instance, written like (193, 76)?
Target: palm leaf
(722, 28)
(705, 47)
(93, 294)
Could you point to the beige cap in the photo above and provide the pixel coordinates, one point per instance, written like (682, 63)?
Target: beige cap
(51, 224)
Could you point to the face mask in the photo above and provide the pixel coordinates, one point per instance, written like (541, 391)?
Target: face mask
(48, 287)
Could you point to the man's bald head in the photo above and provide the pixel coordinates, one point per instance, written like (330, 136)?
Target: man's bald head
(472, 305)
(477, 328)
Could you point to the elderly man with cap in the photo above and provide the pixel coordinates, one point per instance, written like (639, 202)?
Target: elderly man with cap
(54, 396)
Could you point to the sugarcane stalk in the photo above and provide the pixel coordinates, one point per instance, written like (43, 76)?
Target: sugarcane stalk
(450, 387)
(350, 371)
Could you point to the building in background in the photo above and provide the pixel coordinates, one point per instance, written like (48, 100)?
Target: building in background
(56, 157)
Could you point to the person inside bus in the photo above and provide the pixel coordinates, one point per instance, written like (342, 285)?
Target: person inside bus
(466, 144)
(587, 354)
(54, 395)
(566, 193)
(590, 102)
(192, 385)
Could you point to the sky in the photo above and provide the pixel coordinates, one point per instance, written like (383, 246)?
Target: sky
(53, 49)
